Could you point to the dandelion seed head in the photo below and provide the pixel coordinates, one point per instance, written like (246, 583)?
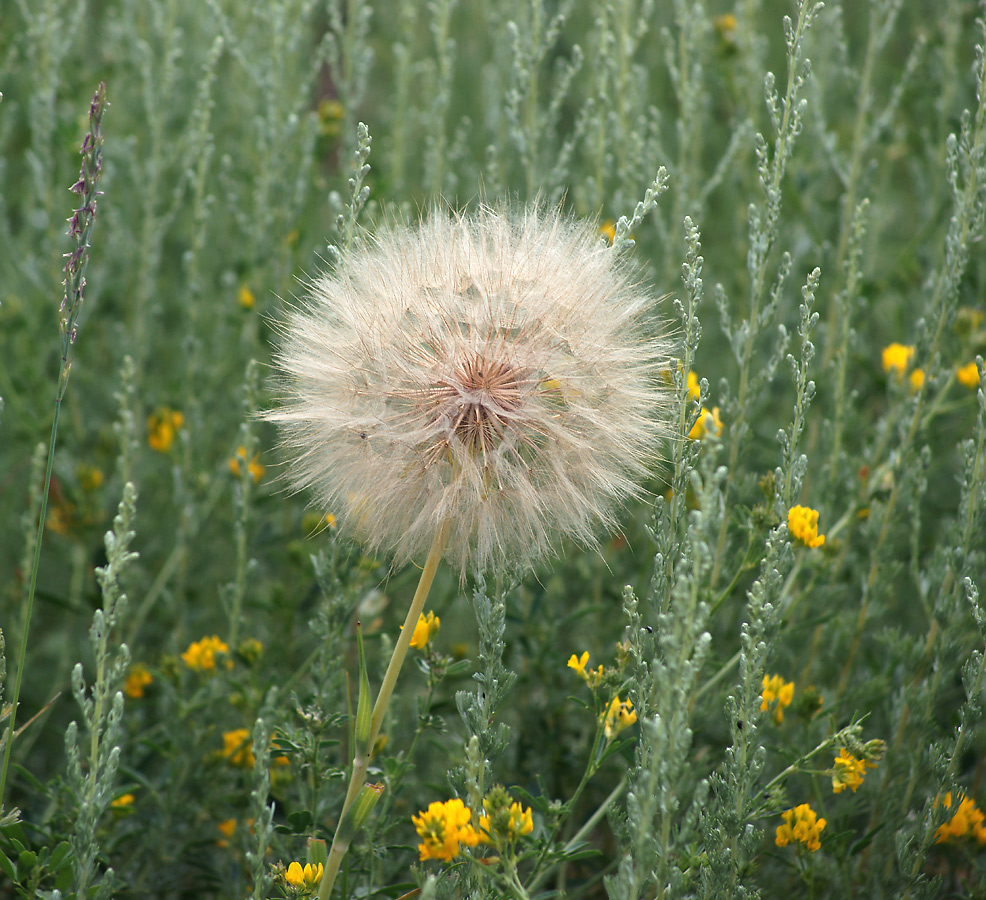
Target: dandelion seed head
(496, 371)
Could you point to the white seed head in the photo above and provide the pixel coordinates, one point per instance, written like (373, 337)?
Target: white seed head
(489, 370)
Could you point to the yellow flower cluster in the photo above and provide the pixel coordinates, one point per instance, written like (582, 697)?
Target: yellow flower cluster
(848, 771)
(303, 878)
(245, 297)
(162, 427)
(237, 748)
(254, 467)
(706, 424)
(619, 716)
(504, 821)
(519, 823)
(137, 679)
(443, 827)
(802, 522)
(968, 375)
(801, 825)
(896, 358)
(966, 822)
(425, 630)
(776, 689)
(201, 655)
(578, 663)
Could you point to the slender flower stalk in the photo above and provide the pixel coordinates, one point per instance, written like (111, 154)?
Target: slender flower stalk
(80, 230)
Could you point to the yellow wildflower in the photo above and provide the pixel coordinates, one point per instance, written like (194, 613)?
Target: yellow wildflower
(228, 828)
(162, 427)
(303, 878)
(896, 358)
(579, 663)
(916, 380)
(137, 679)
(848, 771)
(237, 748)
(968, 375)
(967, 821)
(802, 522)
(776, 689)
(707, 423)
(201, 655)
(619, 715)
(255, 469)
(694, 388)
(442, 828)
(800, 824)
(504, 819)
(90, 478)
(725, 24)
(608, 230)
(592, 677)
(123, 801)
(425, 630)
(245, 297)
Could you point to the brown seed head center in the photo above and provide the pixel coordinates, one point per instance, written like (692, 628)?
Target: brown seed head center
(478, 400)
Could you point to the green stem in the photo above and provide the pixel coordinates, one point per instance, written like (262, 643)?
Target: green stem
(360, 764)
(29, 604)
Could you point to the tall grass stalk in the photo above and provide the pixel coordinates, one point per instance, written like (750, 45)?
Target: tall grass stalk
(80, 230)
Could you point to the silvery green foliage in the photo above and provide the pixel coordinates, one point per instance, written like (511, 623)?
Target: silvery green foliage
(93, 760)
(478, 708)
(262, 811)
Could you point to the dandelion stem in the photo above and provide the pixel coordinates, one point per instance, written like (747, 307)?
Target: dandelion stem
(360, 764)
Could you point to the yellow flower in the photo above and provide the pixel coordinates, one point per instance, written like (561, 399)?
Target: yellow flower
(303, 878)
(848, 772)
(137, 679)
(579, 664)
(254, 468)
(162, 427)
(237, 748)
(425, 630)
(967, 821)
(802, 522)
(123, 801)
(968, 375)
(725, 24)
(775, 688)
(916, 380)
(618, 717)
(608, 230)
(442, 828)
(707, 423)
(593, 676)
(228, 828)
(896, 358)
(694, 388)
(504, 820)
(800, 824)
(201, 655)
(90, 478)
(245, 297)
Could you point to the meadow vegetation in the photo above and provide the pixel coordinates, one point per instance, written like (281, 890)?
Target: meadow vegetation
(761, 674)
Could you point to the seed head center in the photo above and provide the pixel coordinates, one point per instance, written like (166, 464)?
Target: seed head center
(479, 400)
